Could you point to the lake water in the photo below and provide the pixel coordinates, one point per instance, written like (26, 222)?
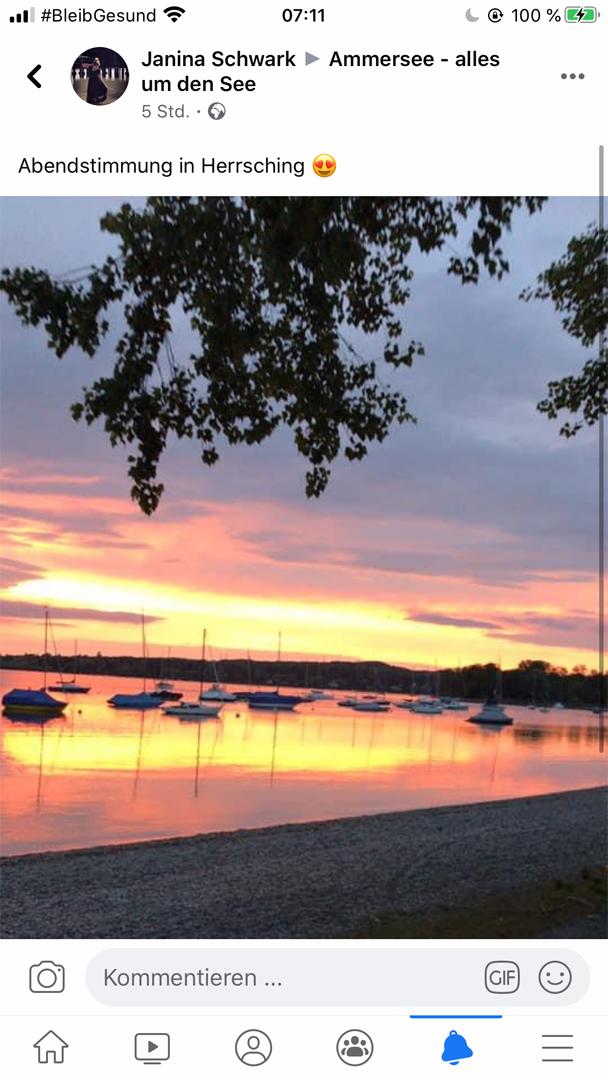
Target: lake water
(101, 776)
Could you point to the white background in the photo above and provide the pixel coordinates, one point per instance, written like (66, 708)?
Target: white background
(395, 131)
(101, 1039)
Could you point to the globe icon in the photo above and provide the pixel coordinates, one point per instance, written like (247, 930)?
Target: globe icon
(216, 111)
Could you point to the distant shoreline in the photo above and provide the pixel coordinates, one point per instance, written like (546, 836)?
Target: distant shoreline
(320, 879)
(473, 683)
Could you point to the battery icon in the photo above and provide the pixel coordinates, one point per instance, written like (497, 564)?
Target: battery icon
(580, 14)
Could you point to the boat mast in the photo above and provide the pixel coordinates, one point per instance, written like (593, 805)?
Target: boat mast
(279, 661)
(46, 646)
(202, 683)
(143, 647)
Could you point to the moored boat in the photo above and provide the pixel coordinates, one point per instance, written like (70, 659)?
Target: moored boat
(428, 708)
(454, 704)
(34, 701)
(491, 713)
(165, 691)
(69, 686)
(217, 692)
(199, 709)
(192, 710)
(135, 701)
(274, 700)
(372, 706)
(142, 700)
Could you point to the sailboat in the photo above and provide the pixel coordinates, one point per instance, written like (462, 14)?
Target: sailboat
(492, 712)
(35, 701)
(216, 691)
(274, 699)
(372, 706)
(195, 710)
(142, 700)
(163, 688)
(244, 695)
(70, 686)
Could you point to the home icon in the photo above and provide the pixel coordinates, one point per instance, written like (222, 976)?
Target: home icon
(50, 1049)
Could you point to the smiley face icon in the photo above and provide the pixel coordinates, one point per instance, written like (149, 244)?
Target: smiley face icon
(555, 977)
(324, 165)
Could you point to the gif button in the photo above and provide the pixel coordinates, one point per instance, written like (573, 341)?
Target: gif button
(502, 977)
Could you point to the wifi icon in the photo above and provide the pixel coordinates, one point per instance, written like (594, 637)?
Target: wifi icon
(174, 12)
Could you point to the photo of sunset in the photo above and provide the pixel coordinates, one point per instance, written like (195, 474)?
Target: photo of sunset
(299, 455)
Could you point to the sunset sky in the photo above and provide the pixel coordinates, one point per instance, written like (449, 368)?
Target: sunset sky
(469, 537)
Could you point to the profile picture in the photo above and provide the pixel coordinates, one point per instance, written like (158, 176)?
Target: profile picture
(100, 76)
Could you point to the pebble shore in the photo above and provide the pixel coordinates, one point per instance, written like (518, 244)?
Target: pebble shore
(316, 880)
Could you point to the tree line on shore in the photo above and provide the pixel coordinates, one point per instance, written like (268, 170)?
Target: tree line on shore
(531, 682)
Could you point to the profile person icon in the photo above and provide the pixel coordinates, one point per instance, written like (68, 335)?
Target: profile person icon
(253, 1048)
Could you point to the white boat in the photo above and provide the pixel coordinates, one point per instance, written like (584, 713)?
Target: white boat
(372, 706)
(428, 708)
(558, 705)
(405, 704)
(70, 686)
(318, 695)
(195, 710)
(192, 710)
(454, 705)
(491, 713)
(348, 702)
(216, 692)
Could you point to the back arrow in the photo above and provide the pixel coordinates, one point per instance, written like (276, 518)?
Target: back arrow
(310, 58)
(33, 72)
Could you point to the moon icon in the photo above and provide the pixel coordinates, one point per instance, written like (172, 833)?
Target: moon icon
(470, 17)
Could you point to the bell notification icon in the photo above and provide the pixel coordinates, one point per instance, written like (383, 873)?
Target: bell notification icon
(502, 977)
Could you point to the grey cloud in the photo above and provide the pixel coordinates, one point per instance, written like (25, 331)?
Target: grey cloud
(20, 609)
(451, 620)
(12, 571)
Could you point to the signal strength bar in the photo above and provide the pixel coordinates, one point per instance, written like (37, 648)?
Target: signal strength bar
(26, 17)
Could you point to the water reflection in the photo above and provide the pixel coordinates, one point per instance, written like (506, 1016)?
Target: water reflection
(96, 776)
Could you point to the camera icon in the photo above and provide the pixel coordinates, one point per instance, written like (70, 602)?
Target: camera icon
(47, 978)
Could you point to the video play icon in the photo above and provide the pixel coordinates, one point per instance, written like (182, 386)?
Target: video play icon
(152, 1047)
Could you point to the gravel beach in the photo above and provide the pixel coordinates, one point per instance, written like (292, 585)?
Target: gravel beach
(321, 879)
